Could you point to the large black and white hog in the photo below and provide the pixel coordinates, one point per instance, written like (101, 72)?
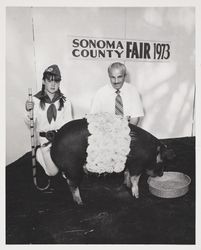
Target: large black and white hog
(68, 151)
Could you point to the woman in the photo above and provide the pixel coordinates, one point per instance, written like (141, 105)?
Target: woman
(51, 111)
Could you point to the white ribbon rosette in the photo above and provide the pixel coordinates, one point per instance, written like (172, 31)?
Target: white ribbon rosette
(109, 143)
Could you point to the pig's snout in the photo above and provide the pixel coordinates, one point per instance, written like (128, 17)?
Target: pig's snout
(158, 171)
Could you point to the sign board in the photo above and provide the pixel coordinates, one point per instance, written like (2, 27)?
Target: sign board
(103, 48)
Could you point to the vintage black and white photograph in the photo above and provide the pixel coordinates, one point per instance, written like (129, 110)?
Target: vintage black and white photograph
(100, 114)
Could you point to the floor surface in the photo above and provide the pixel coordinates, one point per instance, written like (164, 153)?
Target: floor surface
(109, 216)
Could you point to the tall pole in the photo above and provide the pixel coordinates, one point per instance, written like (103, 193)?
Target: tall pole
(33, 148)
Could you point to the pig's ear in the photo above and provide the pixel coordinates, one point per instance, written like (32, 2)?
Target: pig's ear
(169, 154)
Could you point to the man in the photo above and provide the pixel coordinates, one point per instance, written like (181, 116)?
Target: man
(119, 97)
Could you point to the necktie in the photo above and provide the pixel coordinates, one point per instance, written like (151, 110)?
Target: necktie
(118, 104)
(51, 113)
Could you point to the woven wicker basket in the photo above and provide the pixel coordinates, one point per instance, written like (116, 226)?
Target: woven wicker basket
(170, 185)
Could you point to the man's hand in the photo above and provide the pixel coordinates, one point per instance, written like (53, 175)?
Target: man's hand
(134, 120)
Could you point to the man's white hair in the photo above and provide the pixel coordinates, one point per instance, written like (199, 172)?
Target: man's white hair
(117, 65)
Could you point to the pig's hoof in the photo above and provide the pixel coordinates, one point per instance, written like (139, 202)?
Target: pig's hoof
(80, 203)
(136, 195)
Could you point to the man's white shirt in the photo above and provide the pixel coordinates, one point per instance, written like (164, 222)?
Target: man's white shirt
(104, 100)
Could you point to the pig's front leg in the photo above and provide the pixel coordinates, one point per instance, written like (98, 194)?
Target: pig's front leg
(134, 185)
(127, 178)
(75, 192)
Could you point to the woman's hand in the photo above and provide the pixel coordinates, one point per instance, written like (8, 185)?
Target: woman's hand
(29, 105)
